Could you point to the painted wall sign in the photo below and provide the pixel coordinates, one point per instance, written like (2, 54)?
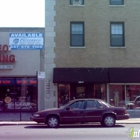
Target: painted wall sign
(26, 41)
(5, 57)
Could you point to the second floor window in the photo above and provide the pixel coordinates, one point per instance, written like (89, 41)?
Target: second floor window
(76, 2)
(116, 2)
(117, 34)
(77, 34)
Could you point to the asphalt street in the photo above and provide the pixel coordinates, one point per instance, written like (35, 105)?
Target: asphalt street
(66, 132)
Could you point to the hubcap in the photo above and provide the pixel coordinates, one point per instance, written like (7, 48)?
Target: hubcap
(53, 122)
(109, 121)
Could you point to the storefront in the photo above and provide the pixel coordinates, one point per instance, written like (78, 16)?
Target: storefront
(117, 86)
(122, 94)
(76, 83)
(67, 92)
(124, 86)
(21, 57)
(18, 93)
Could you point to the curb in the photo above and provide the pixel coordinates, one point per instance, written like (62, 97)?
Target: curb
(18, 123)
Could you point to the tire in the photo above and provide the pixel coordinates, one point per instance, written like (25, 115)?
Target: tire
(53, 122)
(108, 121)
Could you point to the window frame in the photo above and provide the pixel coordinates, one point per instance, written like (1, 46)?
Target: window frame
(82, 3)
(123, 34)
(122, 3)
(83, 35)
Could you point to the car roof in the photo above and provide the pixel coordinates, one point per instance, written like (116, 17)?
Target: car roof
(87, 99)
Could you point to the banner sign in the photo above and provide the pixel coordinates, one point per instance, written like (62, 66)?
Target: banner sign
(26, 82)
(6, 82)
(26, 41)
(18, 81)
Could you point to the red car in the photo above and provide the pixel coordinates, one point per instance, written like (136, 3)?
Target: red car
(81, 110)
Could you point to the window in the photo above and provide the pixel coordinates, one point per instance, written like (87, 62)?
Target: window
(77, 105)
(91, 104)
(117, 95)
(117, 34)
(63, 94)
(76, 2)
(77, 34)
(116, 2)
(18, 92)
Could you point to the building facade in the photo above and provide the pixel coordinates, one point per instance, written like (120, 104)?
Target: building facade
(92, 50)
(21, 56)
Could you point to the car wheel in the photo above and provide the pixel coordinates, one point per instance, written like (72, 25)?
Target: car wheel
(109, 121)
(53, 122)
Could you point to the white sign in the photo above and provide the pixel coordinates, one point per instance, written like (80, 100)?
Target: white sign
(26, 41)
(6, 67)
(41, 74)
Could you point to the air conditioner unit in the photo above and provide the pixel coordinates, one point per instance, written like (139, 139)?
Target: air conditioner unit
(77, 2)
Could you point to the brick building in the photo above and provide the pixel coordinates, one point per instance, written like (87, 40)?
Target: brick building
(92, 50)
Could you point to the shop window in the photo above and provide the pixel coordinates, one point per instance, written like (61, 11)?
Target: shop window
(133, 91)
(117, 95)
(80, 92)
(99, 91)
(18, 92)
(63, 94)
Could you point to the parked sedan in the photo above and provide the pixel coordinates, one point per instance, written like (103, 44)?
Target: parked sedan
(81, 110)
(134, 104)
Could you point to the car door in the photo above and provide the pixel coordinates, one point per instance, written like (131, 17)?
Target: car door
(93, 111)
(73, 112)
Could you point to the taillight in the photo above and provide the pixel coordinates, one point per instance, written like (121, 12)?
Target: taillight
(125, 112)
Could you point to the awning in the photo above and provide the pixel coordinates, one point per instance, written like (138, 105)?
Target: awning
(80, 75)
(124, 75)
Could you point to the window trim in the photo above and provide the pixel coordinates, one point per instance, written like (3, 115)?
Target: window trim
(83, 35)
(71, 4)
(116, 4)
(123, 36)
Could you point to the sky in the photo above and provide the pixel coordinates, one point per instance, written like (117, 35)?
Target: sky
(22, 13)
